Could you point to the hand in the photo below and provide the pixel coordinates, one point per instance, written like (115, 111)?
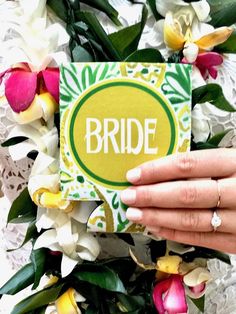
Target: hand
(175, 197)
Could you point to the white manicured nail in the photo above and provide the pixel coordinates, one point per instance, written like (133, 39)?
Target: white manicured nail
(134, 214)
(128, 196)
(133, 175)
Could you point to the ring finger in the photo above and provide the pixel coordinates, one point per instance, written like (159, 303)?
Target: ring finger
(194, 220)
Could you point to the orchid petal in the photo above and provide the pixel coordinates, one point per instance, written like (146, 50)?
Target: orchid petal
(51, 78)
(202, 9)
(66, 303)
(87, 242)
(158, 292)
(49, 182)
(175, 300)
(48, 104)
(197, 291)
(173, 35)
(65, 238)
(67, 265)
(169, 264)
(210, 59)
(197, 276)
(20, 89)
(215, 38)
(82, 211)
(169, 5)
(46, 239)
(32, 113)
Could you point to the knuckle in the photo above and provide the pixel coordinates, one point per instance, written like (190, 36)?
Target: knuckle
(190, 220)
(188, 195)
(145, 197)
(185, 163)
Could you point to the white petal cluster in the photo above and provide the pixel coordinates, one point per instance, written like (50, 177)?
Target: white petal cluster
(30, 34)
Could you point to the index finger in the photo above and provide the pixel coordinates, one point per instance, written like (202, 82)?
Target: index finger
(214, 163)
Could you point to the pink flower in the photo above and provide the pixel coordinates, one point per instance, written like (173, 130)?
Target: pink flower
(169, 296)
(207, 63)
(22, 85)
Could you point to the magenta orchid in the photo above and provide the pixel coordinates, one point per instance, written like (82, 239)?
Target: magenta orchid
(22, 85)
(207, 63)
(169, 296)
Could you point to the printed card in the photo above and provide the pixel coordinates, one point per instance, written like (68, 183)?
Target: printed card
(115, 116)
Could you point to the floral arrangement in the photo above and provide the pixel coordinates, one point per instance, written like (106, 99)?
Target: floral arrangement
(36, 37)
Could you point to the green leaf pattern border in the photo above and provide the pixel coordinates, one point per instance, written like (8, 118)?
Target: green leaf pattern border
(175, 84)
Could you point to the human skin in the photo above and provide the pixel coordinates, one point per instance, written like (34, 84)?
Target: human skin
(175, 197)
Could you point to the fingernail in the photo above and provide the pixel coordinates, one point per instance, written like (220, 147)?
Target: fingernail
(134, 214)
(128, 196)
(154, 229)
(133, 175)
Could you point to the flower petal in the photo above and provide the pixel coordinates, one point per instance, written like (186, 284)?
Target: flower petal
(51, 78)
(20, 89)
(66, 303)
(67, 265)
(215, 38)
(197, 276)
(173, 35)
(159, 290)
(175, 300)
(202, 9)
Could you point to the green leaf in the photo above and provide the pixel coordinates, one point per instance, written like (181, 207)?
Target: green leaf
(30, 234)
(145, 55)
(22, 279)
(80, 54)
(152, 4)
(127, 39)
(212, 93)
(200, 303)
(216, 139)
(100, 276)
(59, 7)
(131, 303)
(14, 140)
(38, 258)
(95, 27)
(104, 6)
(202, 145)
(229, 46)
(222, 12)
(23, 209)
(38, 300)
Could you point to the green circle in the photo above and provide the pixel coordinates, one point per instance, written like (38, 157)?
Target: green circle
(94, 91)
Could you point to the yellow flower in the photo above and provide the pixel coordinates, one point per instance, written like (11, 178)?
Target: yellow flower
(178, 35)
(66, 303)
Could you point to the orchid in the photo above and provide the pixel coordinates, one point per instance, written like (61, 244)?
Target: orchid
(184, 28)
(30, 36)
(68, 235)
(32, 95)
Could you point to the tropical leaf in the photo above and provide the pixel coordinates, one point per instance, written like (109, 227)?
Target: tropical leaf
(59, 7)
(127, 39)
(152, 4)
(38, 300)
(105, 7)
(222, 12)
(200, 303)
(100, 276)
(14, 140)
(216, 139)
(213, 94)
(38, 258)
(22, 279)
(145, 55)
(23, 209)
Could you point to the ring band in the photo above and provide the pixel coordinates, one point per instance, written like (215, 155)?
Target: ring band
(219, 194)
(215, 221)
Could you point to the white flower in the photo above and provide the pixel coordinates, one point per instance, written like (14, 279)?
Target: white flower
(200, 8)
(28, 35)
(40, 139)
(68, 235)
(200, 124)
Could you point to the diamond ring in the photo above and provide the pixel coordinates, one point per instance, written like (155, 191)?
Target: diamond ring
(215, 221)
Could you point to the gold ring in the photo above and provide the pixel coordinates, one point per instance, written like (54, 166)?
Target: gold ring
(219, 194)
